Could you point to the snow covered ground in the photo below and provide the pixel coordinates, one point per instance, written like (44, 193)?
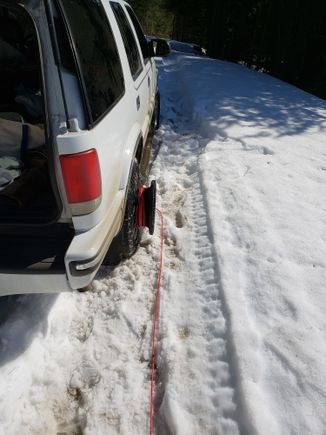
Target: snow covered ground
(241, 171)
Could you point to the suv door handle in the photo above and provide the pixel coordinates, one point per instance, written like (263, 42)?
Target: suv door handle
(138, 102)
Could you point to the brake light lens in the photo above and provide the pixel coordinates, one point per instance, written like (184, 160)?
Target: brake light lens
(82, 176)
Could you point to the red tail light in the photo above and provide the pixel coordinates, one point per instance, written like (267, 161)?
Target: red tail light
(82, 176)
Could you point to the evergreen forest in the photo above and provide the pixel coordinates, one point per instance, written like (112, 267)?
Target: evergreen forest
(285, 38)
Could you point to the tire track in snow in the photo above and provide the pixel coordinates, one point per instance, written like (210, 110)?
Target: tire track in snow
(209, 297)
(196, 391)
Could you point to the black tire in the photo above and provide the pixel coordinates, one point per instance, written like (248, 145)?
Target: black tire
(125, 244)
(157, 111)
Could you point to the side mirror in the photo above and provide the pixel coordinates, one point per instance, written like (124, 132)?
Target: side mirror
(162, 48)
(151, 49)
(158, 47)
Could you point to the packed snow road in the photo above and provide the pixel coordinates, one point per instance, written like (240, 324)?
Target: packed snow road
(241, 171)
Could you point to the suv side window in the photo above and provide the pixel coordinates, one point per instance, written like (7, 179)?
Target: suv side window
(129, 40)
(97, 55)
(139, 32)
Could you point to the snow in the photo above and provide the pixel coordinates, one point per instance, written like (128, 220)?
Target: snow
(241, 169)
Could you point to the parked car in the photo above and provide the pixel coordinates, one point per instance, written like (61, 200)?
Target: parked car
(79, 105)
(163, 46)
(186, 47)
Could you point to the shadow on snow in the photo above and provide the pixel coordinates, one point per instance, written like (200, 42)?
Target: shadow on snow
(231, 95)
(22, 317)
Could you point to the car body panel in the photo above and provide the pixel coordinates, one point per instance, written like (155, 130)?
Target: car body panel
(92, 246)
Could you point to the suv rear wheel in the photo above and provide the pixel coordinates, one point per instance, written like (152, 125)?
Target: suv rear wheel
(125, 244)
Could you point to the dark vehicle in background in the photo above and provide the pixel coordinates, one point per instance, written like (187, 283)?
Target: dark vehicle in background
(188, 48)
(163, 46)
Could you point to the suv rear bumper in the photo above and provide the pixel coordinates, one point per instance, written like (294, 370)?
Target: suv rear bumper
(86, 250)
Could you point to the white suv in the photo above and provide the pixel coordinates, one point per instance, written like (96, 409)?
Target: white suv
(81, 75)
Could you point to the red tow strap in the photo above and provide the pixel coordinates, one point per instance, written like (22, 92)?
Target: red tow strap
(156, 315)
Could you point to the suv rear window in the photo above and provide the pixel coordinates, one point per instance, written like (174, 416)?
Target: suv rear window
(139, 31)
(97, 54)
(129, 40)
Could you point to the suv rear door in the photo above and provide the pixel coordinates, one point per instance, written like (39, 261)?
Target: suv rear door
(148, 60)
(138, 67)
(102, 86)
